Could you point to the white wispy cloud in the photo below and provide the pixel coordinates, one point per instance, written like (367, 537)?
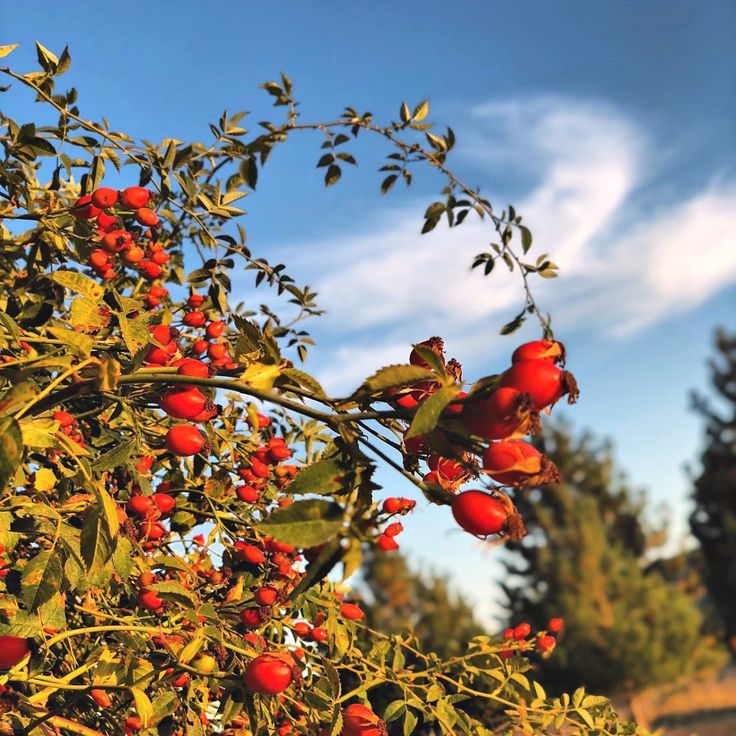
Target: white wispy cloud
(582, 166)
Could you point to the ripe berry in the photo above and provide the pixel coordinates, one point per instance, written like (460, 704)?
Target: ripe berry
(360, 720)
(104, 197)
(134, 198)
(64, 418)
(250, 553)
(387, 544)
(546, 643)
(106, 222)
(393, 530)
(514, 463)
(251, 618)
(195, 301)
(506, 412)
(140, 505)
(164, 502)
(302, 629)
(217, 351)
(269, 674)
(319, 634)
(99, 259)
(392, 505)
(351, 612)
(549, 350)
(215, 329)
(84, 209)
(101, 698)
(150, 600)
(508, 634)
(542, 380)
(132, 255)
(116, 240)
(522, 631)
(479, 513)
(247, 493)
(146, 217)
(150, 271)
(12, 650)
(266, 596)
(184, 440)
(446, 467)
(193, 367)
(556, 624)
(183, 403)
(194, 319)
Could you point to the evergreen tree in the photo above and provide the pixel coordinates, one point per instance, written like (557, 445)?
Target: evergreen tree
(713, 521)
(584, 561)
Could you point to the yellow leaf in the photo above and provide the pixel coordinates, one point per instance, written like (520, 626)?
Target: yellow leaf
(261, 376)
(45, 480)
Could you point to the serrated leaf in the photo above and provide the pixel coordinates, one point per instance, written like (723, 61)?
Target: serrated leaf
(135, 332)
(114, 458)
(303, 379)
(41, 579)
(79, 284)
(78, 341)
(11, 449)
(38, 432)
(420, 111)
(175, 592)
(85, 314)
(429, 412)
(305, 523)
(395, 376)
(323, 477)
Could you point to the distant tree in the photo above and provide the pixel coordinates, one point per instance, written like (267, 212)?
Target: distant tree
(583, 560)
(713, 521)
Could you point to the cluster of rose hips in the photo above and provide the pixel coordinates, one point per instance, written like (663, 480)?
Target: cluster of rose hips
(70, 427)
(393, 506)
(544, 643)
(534, 383)
(148, 512)
(111, 212)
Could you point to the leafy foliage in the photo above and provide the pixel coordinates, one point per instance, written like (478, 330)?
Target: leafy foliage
(158, 575)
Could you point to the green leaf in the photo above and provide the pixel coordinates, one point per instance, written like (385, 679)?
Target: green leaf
(85, 314)
(47, 59)
(332, 175)
(305, 523)
(323, 477)
(514, 325)
(77, 341)
(410, 722)
(143, 705)
(175, 592)
(429, 412)
(38, 432)
(115, 457)
(589, 722)
(41, 579)
(11, 449)
(303, 379)
(135, 332)
(394, 710)
(404, 113)
(96, 545)
(79, 284)
(395, 376)
(526, 238)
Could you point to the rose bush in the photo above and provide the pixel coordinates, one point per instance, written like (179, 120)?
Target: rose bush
(176, 490)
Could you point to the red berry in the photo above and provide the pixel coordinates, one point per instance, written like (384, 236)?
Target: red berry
(556, 624)
(164, 502)
(319, 634)
(522, 631)
(351, 612)
(106, 222)
(104, 197)
(140, 505)
(116, 240)
(183, 403)
(215, 329)
(508, 634)
(101, 698)
(387, 544)
(446, 467)
(393, 530)
(360, 720)
(302, 629)
(132, 255)
(251, 618)
(195, 301)
(514, 463)
(479, 513)
(193, 367)
(541, 379)
(12, 650)
(549, 350)
(184, 440)
(250, 553)
(134, 198)
(506, 412)
(194, 318)
(269, 674)
(266, 596)
(64, 418)
(146, 217)
(148, 599)
(392, 505)
(546, 643)
(84, 209)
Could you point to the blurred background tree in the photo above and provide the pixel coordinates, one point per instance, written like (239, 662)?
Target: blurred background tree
(713, 521)
(585, 560)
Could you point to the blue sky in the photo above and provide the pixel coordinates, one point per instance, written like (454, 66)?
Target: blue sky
(609, 125)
